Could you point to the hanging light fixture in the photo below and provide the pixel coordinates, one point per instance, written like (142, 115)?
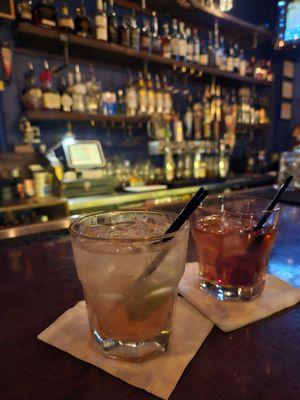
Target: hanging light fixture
(226, 5)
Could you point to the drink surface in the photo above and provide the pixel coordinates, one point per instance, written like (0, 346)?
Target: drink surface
(230, 252)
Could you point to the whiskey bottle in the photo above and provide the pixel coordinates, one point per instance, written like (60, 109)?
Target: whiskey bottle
(150, 96)
(188, 118)
(196, 43)
(24, 13)
(64, 21)
(166, 42)
(221, 55)
(236, 61)
(51, 97)
(177, 128)
(66, 98)
(44, 14)
(142, 95)
(243, 64)
(182, 42)
(135, 33)
(168, 101)
(230, 59)
(101, 21)
(146, 41)
(79, 92)
(112, 23)
(189, 45)
(131, 99)
(82, 22)
(159, 100)
(203, 53)
(156, 38)
(124, 32)
(198, 117)
(175, 39)
(31, 98)
(211, 50)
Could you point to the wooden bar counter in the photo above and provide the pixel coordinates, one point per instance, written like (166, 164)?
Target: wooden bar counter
(38, 283)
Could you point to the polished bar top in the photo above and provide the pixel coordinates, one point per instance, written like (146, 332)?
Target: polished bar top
(38, 283)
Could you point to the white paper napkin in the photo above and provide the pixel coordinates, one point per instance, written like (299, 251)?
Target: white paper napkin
(228, 316)
(70, 332)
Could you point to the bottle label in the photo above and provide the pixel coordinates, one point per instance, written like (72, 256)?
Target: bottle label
(143, 101)
(145, 43)
(167, 103)
(151, 102)
(190, 52)
(52, 101)
(101, 28)
(48, 22)
(204, 59)
(167, 50)
(229, 64)
(243, 67)
(175, 47)
(66, 23)
(182, 48)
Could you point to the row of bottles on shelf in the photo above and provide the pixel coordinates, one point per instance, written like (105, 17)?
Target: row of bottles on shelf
(145, 97)
(181, 42)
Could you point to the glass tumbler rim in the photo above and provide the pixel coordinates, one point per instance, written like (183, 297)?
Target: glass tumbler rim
(148, 239)
(214, 209)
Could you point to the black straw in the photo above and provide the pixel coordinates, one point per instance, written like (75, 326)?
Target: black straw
(273, 203)
(175, 226)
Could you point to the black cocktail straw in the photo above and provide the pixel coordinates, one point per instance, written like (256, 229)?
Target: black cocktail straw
(273, 203)
(175, 226)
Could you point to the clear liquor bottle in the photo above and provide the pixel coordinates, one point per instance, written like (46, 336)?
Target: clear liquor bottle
(79, 92)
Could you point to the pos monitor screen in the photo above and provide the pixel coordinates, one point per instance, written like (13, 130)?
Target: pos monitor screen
(82, 154)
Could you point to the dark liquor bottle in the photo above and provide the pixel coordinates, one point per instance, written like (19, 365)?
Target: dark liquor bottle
(203, 53)
(44, 14)
(146, 42)
(198, 117)
(230, 59)
(64, 21)
(189, 118)
(236, 60)
(166, 42)
(156, 38)
(24, 11)
(135, 33)
(51, 97)
(196, 42)
(251, 67)
(101, 21)
(82, 22)
(211, 50)
(112, 23)
(175, 39)
(124, 32)
(31, 98)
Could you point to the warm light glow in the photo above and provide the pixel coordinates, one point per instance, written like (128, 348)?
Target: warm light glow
(226, 5)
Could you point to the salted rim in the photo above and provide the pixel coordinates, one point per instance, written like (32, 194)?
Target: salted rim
(226, 197)
(72, 230)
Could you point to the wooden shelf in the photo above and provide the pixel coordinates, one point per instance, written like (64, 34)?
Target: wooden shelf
(34, 203)
(44, 115)
(88, 50)
(204, 17)
(257, 127)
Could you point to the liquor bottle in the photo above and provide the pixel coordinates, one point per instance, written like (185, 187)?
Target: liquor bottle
(175, 39)
(218, 114)
(188, 118)
(142, 95)
(31, 97)
(121, 106)
(156, 38)
(211, 50)
(189, 45)
(159, 101)
(207, 114)
(177, 128)
(203, 53)
(179, 165)
(150, 96)
(182, 42)
(93, 94)
(270, 75)
(51, 97)
(131, 99)
(169, 165)
(78, 92)
(166, 42)
(251, 67)
(135, 33)
(196, 44)
(101, 21)
(230, 59)
(216, 43)
(66, 98)
(264, 70)
(64, 21)
(236, 60)
(124, 32)
(223, 160)
(168, 101)
(82, 22)
(220, 55)
(146, 41)
(243, 64)
(44, 14)
(24, 13)
(112, 23)
(198, 117)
